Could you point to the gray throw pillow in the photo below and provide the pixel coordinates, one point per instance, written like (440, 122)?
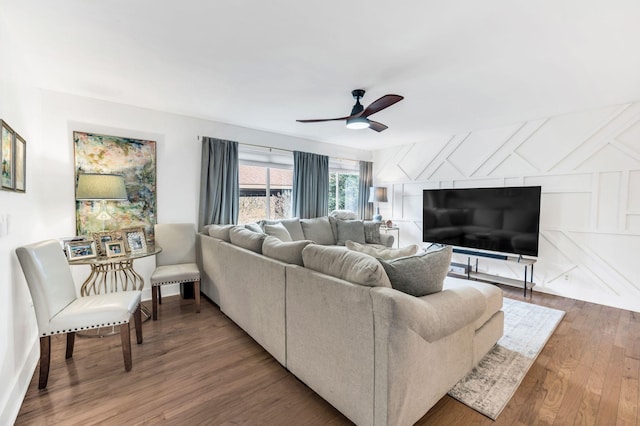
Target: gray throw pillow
(278, 230)
(357, 268)
(350, 230)
(253, 227)
(288, 252)
(242, 237)
(220, 232)
(421, 274)
(318, 230)
(292, 225)
(372, 232)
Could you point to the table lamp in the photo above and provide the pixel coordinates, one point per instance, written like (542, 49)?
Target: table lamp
(103, 188)
(378, 194)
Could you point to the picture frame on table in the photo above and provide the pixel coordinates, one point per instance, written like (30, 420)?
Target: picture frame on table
(135, 240)
(84, 249)
(115, 249)
(102, 238)
(7, 136)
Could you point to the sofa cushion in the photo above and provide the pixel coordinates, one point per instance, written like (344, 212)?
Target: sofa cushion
(292, 225)
(421, 274)
(220, 232)
(318, 230)
(352, 230)
(383, 253)
(284, 251)
(372, 232)
(348, 265)
(242, 237)
(279, 231)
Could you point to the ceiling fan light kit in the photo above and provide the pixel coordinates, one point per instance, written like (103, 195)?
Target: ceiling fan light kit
(358, 118)
(357, 123)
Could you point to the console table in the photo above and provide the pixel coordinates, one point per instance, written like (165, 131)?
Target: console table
(469, 272)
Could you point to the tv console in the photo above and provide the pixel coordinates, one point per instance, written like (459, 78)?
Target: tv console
(469, 272)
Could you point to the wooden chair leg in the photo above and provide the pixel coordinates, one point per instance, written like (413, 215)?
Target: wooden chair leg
(159, 295)
(125, 337)
(154, 302)
(137, 319)
(196, 290)
(45, 360)
(71, 339)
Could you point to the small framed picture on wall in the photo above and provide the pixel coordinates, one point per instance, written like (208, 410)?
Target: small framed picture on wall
(6, 156)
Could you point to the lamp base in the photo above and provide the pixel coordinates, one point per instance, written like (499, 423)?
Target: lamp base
(377, 217)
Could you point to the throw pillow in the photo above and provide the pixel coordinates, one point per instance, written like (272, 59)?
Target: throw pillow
(242, 237)
(292, 225)
(351, 266)
(343, 214)
(220, 232)
(383, 253)
(318, 230)
(350, 230)
(421, 274)
(288, 252)
(253, 227)
(278, 230)
(372, 232)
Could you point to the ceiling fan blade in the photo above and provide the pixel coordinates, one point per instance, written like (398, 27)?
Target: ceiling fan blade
(323, 119)
(380, 104)
(378, 127)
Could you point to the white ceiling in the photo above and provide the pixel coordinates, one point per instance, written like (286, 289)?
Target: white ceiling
(461, 65)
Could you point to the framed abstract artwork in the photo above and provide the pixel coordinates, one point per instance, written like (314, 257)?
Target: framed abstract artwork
(6, 157)
(135, 160)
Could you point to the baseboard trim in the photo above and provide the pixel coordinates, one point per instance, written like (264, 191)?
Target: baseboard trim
(19, 387)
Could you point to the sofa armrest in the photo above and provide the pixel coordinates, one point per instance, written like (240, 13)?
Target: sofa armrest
(387, 239)
(432, 317)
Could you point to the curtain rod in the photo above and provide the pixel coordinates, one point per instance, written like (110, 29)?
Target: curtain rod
(282, 149)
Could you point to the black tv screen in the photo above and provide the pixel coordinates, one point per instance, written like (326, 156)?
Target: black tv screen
(503, 219)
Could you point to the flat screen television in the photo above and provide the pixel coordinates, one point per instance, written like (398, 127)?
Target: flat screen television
(505, 219)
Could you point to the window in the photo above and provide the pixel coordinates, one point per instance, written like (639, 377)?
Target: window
(265, 193)
(343, 190)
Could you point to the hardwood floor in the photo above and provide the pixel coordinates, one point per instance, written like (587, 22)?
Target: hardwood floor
(203, 369)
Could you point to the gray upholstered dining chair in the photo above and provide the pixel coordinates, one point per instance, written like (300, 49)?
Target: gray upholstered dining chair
(59, 311)
(176, 263)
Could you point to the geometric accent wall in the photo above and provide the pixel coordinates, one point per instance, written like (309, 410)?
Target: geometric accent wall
(588, 165)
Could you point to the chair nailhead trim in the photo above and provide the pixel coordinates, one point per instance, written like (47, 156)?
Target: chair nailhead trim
(52, 333)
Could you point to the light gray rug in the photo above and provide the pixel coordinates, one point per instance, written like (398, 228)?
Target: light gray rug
(489, 387)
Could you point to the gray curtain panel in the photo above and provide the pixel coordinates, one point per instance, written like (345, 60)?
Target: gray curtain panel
(310, 196)
(365, 208)
(219, 184)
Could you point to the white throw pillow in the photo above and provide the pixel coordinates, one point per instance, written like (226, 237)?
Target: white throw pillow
(383, 253)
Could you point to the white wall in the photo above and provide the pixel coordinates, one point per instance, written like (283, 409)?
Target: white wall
(588, 165)
(47, 120)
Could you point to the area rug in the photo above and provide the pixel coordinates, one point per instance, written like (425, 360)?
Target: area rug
(489, 387)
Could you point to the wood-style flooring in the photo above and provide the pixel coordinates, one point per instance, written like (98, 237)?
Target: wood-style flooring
(203, 369)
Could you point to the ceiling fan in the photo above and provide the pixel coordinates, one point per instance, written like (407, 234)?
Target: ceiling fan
(359, 115)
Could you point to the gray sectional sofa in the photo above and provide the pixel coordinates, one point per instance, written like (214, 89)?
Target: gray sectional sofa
(331, 317)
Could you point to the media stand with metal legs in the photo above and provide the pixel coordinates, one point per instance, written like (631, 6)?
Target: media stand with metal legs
(471, 272)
